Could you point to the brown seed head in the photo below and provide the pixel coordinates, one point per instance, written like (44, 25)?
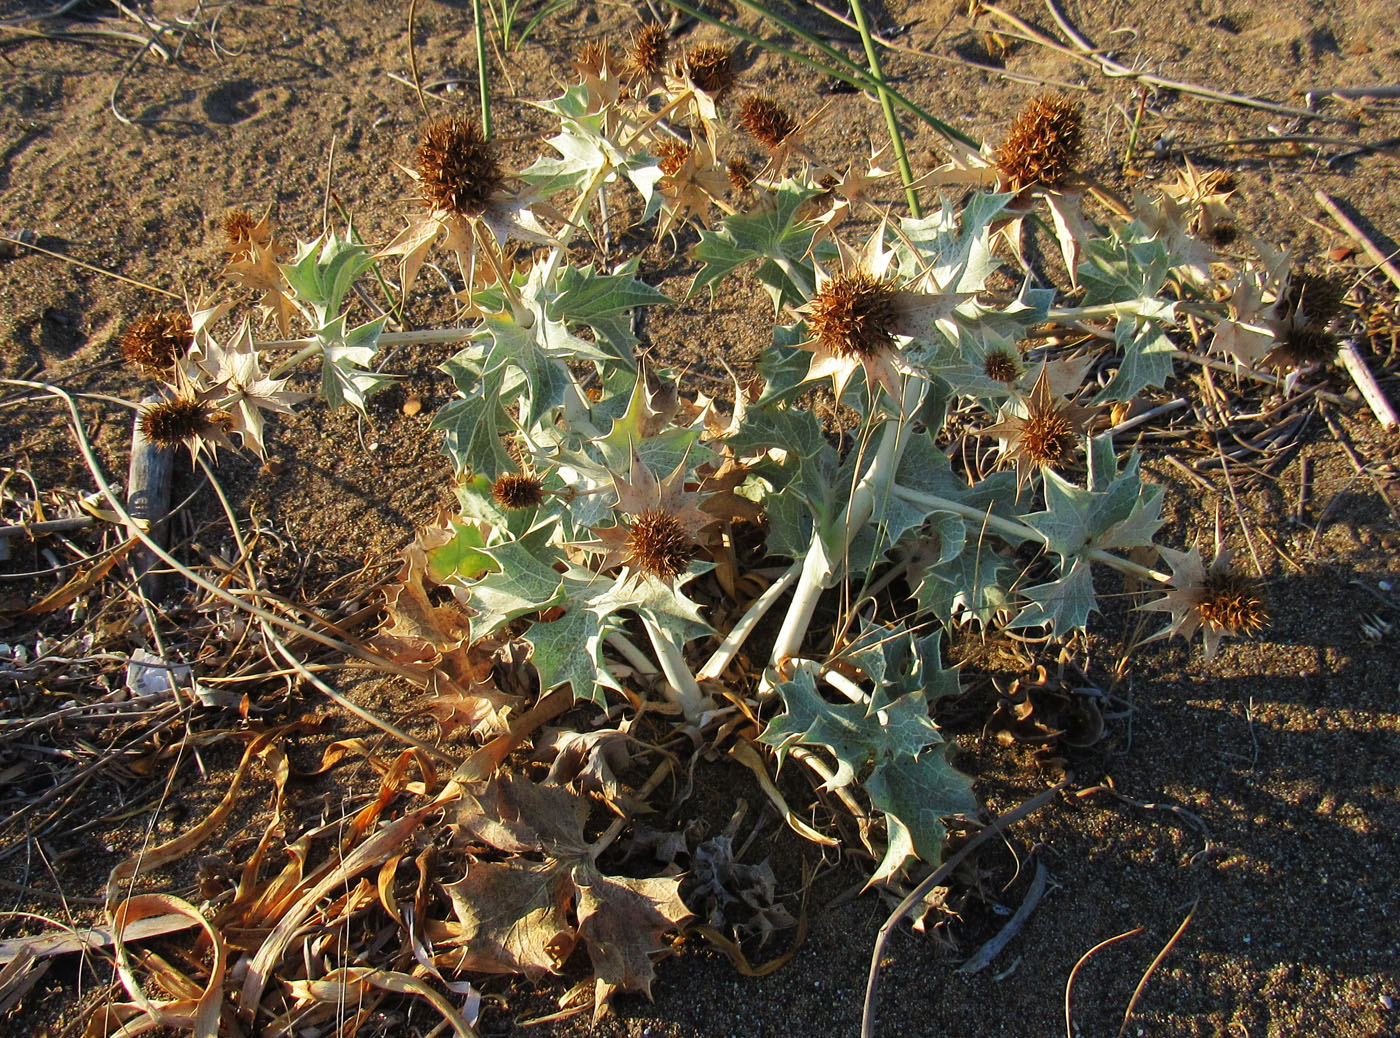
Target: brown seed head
(1304, 344)
(155, 341)
(240, 230)
(1043, 144)
(711, 68)
(768, 122)
(1317, 298)
(457, 166)
(649, 50)
(853, 315)
(1229, 602)
(172, 422)
(657, 544)
(1048, 437)
(672, 155)
(1002, 366)
(595, 58)
(514, 490)
(740, 173)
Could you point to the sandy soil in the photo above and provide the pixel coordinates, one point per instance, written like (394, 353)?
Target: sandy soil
(1280, 753)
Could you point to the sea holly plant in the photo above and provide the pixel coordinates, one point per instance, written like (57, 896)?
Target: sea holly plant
(738, 566)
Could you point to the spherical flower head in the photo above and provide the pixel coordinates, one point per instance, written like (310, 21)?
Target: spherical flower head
(1043, 144)
(711, 68)
(649, 50)
(457, 166)
(1046, 436)
(155, 341)
(1001, 366)
(1216, 601)
(1229, 603)
(173, 422)
(672, 156)
(515, 490)
(853, 316)
(768, 122)
(741, 174)
(240, 229)
(1303, 344)
(657, 545)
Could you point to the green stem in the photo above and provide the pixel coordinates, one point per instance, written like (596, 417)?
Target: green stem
(887, 105)
(483, 78)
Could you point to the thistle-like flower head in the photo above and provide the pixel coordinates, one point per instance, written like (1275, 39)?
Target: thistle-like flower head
(660, 525)
(457, 166)
(710, 67)
(858, 315)
(1046, 436)
(650, 48)
(155, 342)
(1216, 601)
(1043, 144)
(186, 420)
(768, 122)
(515, 490)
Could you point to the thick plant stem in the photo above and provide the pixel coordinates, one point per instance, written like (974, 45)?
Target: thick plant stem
(739, 633)
(1017, 532)
(483, 78)
(906, 174)
(819, 570)
(683, 688)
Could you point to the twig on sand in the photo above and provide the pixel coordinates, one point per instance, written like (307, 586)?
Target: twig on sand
(1088, 53)
(1377, 257)
(1069, 984)
(1035, 803)
(1152, 968)
(989, 951)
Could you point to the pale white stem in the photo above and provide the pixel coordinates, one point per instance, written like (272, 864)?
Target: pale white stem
(682, 687)
(1366, 382)
(846, 687)
(634, 656)
(817, 569)
(739, 633)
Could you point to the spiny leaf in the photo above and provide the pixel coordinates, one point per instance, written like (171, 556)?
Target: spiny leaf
(916, 794)
(525, 581)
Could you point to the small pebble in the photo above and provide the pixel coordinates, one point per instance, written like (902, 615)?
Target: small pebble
(413, 405)
(1340, 253)
(1387, 1003)
(10, 249)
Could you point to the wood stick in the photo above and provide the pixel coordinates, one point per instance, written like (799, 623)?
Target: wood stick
(1377, 257)
(148, 500)
(1371, 390)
